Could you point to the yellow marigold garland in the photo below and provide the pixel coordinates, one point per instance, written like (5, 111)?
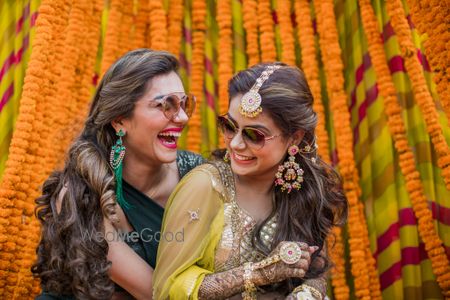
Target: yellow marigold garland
(158, 25)
(431, 17)
(225, 55)
(197, 71)
(266, 31)
(422, 94)
(126, 42)
(433, 244)
(66, 95)
(175, 17)
(249, 8)
(78, 61)
(111, 44)
(141, 25)
(362, 269)
(286, 32)
(310, 65)
(28, 152)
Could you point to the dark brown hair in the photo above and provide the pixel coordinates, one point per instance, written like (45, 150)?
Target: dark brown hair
(72, 253)
(308, 214)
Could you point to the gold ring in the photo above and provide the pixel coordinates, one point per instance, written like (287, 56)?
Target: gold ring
(290, 253)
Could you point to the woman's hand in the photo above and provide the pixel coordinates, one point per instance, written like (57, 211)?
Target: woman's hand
(275, 267)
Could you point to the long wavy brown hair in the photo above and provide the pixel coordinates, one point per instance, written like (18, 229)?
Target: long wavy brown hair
(72, 253)
(306, 215)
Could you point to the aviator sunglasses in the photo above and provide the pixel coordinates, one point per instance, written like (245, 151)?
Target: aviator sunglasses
(254, 138)
(172, 103)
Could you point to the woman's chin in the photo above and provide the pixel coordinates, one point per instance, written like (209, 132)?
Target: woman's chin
(166, 155)
(244, 169)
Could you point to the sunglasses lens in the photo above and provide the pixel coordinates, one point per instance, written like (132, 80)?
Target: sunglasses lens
(171, 106)
(188, 105)
(228, 128)
(254, 136)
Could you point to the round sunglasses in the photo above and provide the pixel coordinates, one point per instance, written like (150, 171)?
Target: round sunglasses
(253, 137)
(172, 103)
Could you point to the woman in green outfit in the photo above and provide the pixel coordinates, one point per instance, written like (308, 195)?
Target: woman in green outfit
(255, 224)
(101, 215)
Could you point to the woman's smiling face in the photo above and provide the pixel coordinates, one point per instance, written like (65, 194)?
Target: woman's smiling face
(150, 136)
(248, 160)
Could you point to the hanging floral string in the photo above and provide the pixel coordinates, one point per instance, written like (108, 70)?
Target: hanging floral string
(419, 86)
(82, 91)
(126, 42)
(266, 31)
(197, 71)
(225, 55)
(310, 66)
(362, 269)
(175, 26)
(111, 44)
(22, 175)
(76, 50)
(375, 287)
(251, 31)
(141, 25)
(158, 25)
(286, 32)
(431, 17)
(433, 244)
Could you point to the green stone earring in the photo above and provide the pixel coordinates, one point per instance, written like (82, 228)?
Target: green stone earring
(226, 157)
(115, 160)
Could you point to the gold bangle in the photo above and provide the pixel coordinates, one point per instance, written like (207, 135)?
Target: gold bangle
(308, 289)
(250, 289)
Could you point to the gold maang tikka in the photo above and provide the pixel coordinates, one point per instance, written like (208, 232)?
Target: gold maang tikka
(251, 101)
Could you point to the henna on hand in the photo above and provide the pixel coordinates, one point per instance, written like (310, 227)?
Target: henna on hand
(222, 285)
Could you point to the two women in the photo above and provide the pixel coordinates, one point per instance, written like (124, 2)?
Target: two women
(126, 154)
(248, 221)
(254, 224)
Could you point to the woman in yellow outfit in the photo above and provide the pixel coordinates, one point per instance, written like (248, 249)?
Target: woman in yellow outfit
(255, 221)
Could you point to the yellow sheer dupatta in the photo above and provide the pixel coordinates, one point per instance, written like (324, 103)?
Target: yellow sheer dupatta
(181, 265)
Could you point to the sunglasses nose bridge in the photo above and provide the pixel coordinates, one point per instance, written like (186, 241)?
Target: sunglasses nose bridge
(237, 141)
(173, 108)
(180, 116)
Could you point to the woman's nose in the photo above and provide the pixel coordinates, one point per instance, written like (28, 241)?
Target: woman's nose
(237, 142)
(181, 117)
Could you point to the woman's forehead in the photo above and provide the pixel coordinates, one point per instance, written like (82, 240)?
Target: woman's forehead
(164, 84)
(263, 118)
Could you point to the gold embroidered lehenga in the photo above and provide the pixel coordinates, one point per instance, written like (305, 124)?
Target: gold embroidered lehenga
(218, 239)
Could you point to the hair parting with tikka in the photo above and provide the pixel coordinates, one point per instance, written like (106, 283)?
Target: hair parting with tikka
(306, 214)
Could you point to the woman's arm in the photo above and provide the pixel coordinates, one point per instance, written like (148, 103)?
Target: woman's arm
(193, 213)
(269, 270)
(315, 287)
(128, 269)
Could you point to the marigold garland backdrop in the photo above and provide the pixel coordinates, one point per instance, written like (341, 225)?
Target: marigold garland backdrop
(379, 72)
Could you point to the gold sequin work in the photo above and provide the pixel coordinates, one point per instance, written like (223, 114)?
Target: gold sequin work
(236, 247)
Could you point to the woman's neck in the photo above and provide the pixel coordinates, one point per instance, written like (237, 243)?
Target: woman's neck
(255, 195)
(150, 179)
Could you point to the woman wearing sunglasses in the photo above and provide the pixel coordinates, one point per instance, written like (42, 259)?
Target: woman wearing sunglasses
(101, 215)
(255, 220)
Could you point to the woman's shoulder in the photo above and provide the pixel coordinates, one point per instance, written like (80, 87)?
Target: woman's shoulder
(214, 175)
(187, 160)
